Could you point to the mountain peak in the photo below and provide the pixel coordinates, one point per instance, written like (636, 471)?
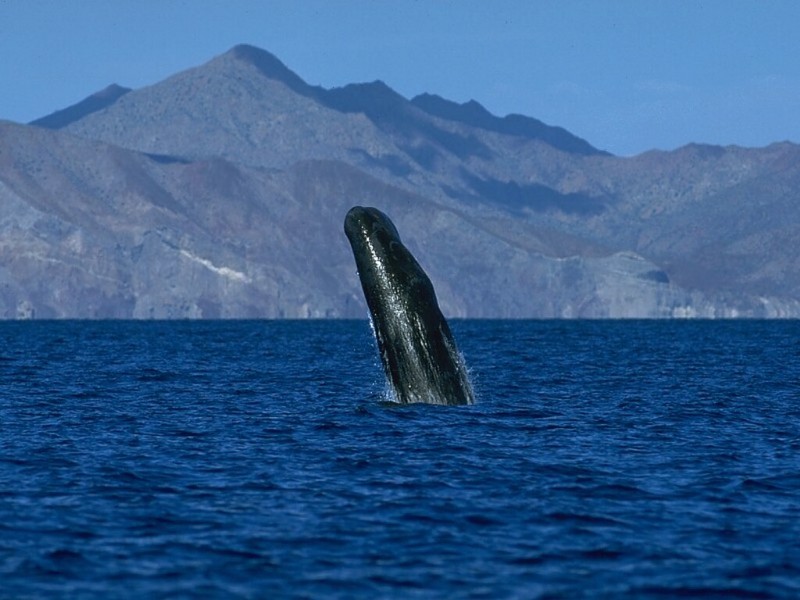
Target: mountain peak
(269, 65)
(474, 114)
(355, 96)
(97, 101)
(112, 92)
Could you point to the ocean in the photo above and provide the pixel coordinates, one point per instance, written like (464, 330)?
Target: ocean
(262, 459)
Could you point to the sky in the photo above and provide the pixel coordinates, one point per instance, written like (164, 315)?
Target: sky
(626, 75)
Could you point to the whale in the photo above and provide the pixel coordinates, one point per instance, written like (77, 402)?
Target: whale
(416, 347)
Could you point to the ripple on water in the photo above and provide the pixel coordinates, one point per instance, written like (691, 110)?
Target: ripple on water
(224, 459)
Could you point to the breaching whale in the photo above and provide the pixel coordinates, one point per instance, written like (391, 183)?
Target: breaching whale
(416, 346)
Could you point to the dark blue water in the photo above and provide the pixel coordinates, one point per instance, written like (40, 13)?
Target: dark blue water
(259, 459)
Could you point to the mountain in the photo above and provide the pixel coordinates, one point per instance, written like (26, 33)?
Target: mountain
(473, 114)
(97, 101)
(221, 192)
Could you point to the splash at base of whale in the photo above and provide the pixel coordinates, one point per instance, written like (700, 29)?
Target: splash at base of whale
(416, 346)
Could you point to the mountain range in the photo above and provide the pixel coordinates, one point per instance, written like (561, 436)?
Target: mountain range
(220, 192)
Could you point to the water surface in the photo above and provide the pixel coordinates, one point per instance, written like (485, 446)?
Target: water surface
(260, 459)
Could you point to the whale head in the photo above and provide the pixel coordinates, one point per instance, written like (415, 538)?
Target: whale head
(416, 346)
(384, 264)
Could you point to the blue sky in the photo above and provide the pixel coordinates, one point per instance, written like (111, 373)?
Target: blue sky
(627, 75)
